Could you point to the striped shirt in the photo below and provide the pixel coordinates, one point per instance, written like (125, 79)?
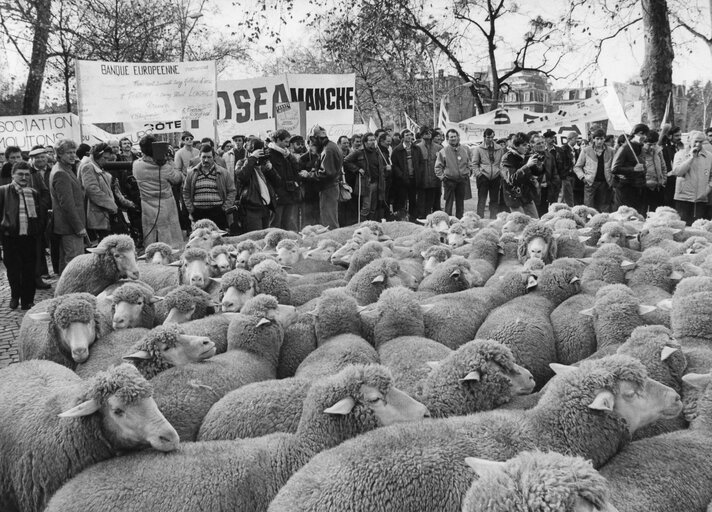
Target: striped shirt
(205, 191)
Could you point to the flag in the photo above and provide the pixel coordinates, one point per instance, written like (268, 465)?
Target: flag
(372, 126)
(444, 117)
(669, 115)
(410, 124)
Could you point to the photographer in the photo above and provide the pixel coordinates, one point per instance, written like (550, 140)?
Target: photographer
(156, 175)
(289, 190)
(519, 177)
(209, 189)
(258, 181)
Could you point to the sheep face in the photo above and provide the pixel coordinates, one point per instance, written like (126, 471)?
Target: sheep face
(125, 263)
(160, 259)
(640, 405)
(242, 258)
(430, 264)
(204, 239)
(697, 246)
(537, 248)
(221, 262)
(455, 239)
(196, 273)
(322, 253)
(522, 380)
(78, 337)
(188, 349)
(513, 227)
(612, 237)
(393, 407)
(288, 256)
(343, 255)
(284, 315)
(363, 235)
(131, 424)
(233, 300)
(127, 314)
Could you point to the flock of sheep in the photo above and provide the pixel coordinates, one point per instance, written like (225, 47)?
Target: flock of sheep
(503, 365)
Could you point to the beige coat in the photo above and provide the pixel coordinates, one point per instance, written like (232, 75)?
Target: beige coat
(99, 197)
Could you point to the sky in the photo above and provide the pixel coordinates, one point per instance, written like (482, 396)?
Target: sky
(620, 60)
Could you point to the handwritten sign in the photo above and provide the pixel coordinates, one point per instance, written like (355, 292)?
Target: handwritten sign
(28, 131)
(139, 92)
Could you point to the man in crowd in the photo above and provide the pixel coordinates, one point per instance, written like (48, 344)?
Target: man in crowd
(67, 204)
(344, 145)
(593, 167)
(453, 167)
(209, 189)
(548, 178)
(565, 166)
(39, 180)
(286, 207)
(671, 142)
(327, 174)
(629, 171)
(356, 141)
(13, 154)
(185, 154)
(408, 169)
(365, 172)
(520, 169)
(428, 193)
(487, 163)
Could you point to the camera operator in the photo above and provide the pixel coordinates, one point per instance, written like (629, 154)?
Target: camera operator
(258, 181)
(519, 175)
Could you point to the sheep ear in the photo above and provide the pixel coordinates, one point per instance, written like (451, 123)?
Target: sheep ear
(587, 312)
(142, 257)
(342, 407)
(667, 352)
(83, 409)
(665, 305)
(484, 467)
(585, 261)
(574, 280)
(422, 221)
(109, 298)
(455, 273)
(426, 308)
(263, 321)
(286, 267)
(139, 355)
(216, 279)
(562, 369)
(500, 249)
(294, 276)
(380, 278)
(96, 250)
(433, 365)
(155, 298)
(644, 309)
(585, 231)
(584, 239)
(40, 317)
(175, 251)
(627, 264)
(361, 309)
(176, 263)
(532, 282)
(472, 376)
(604, 401)
(697, 380)
(675, 275)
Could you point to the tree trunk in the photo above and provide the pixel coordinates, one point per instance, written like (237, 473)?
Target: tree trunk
(38, 61)
(656, 72)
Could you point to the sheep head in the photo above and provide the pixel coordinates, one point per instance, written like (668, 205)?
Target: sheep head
(120, 251)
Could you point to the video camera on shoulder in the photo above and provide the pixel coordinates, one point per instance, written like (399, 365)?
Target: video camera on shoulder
(161, 152)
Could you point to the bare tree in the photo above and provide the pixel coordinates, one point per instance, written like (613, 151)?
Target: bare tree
(656, 72)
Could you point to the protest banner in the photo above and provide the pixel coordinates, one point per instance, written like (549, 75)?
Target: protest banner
(291, 117)
(111, 92)
(334, 131)
(45, 130)
(91, 134)
(247, 107)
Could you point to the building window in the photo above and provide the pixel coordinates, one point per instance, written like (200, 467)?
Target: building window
(589, 93)
(572, 95)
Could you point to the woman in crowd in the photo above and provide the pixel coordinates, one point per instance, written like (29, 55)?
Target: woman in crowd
(159, 213)
(19, 229)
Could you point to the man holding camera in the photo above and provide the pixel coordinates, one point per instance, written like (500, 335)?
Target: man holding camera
(519, 176)
(209, 189)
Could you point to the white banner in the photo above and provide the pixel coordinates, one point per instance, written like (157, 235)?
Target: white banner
(247, 107)
(45, 129)
(110, 92)
(91, 134)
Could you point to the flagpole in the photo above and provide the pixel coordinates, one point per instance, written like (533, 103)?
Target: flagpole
(631, 148)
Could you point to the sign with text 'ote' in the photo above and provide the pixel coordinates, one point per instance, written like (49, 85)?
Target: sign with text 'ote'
(28, 131)
(111, 92)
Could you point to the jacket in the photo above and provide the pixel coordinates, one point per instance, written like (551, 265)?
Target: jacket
(623, 163)
(250, 196)
(430, 155)
(287, 168)
(359, 160)
(566, 161)
(518, 180)
(328, 170)
(99, 196)
(40, 184)
(587, 165)
(67, 202)
(225, 184)
(10, 212)
(454, 163)
(399, 162)
(655, 168)
(490, 168)
(693, 176)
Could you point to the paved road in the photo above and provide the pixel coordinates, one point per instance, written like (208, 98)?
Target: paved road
(10, 320)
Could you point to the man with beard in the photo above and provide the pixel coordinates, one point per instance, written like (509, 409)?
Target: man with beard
(454, 166)
(327, 174)
(365, 172)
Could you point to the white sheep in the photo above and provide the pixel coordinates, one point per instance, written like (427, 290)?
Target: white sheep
(54, 425)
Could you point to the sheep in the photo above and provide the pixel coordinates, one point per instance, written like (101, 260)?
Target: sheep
(626, 213)
(110, 350)
(438, 221)
(433, 255)
(593, 228)
(133, 306)
(516, 223)
(337, 352)
(524, 323)
(205, 224)
(369, 282)
(508, 257)
(61, 329)
(313, 230)
(484, 253)
(159, 277)
(214, 327)
(670, 471)
(204, 238)
(589, 412)
(652, 280)
(186, 393)
(365, 254)
(536, 481)
(236, 287)
(342, 256)
(271, 279)
(584, 212)
(112, 259)
(54, 425)
(159, 253)
(323, 251)
(457, 235)
(245, 475)
(184, 303)
(537, 241)
(195, 270)
(306, 290)
(662, 238)
(569, 243)
(222, 259)
(291, 255)
(453, 275)
(243, 251)
(275, 236)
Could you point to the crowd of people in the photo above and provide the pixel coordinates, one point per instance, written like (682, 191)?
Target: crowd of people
(66, 198)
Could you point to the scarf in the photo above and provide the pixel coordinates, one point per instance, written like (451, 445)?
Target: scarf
(28, 210)
(264, 191)
(275, 147)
